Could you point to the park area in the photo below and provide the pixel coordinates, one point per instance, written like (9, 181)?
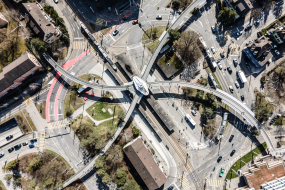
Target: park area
(46, 171)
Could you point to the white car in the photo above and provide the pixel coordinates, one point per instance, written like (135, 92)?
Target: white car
(235, 62)
(277, 52)
(115, 32)
(239, 33)
(231, 89)
(213, 49)
(194, 112)
(220, 66)
(237, 84)
(56, 1)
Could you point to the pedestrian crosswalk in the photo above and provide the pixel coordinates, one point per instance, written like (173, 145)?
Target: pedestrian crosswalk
(78, 44)
(184, 183)
(99, 21)
(28, 100)
(215, 183)
(42, 141)
(268, 133)
(234, 48)
(217, 54)
(56, 124)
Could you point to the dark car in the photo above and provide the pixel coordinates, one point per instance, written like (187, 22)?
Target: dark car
(235, 62)
(248, 28)
(231, 138)
(10, 149)
(33, 140)
(213, 29)
(230, 70)
(219, 159)
(25, 143)
(232, 153)
(170, 188)
(242, 97)
(31, 146)
(17, 146)
(222, 55)
(9, 137)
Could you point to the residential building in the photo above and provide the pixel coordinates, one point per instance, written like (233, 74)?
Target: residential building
(40, 22)
(267, 176)
(277, 35)
(144, 164)
(3, 21)
(16, 72)
(241, 6)
(259, 51)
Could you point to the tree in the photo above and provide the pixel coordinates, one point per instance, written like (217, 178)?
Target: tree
(176, 3)
(203, 81)
(100, 163)
(200, 95)
(154, 33)
(106, 178)
(136, 132)
(208, 112)
(11, 166)
(174, 34)
(114, 155)
(32, 185)
(130, 185)
(210, 97)
(227, 15)
(121, 177)
(38, 44)
(8, 177)
(121, 115)
(35, 164)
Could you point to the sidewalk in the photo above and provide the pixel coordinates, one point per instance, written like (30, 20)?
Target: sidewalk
(95, 121)
(37, 119)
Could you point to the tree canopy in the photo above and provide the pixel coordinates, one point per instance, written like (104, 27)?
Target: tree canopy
(227, 15)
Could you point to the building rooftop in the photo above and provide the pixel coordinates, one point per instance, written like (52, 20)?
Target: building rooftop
(263, 173)
(42, 20)
(144, 164)
(16, 69)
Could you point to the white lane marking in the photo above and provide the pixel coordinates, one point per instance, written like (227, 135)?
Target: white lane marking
(112, 37)
(200, 23)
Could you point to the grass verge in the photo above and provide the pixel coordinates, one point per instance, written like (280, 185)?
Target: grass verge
(152, 46)
(2, 186)
(217, 81)
(71, 103)
(246, 158)
(153, 33)
(58, 157)
(279, 121)
(41, 108)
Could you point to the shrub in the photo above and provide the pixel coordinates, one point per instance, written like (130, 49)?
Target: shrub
(176, 3)
(136, 132)
(11, 166)
(35, 164)
(121, 177)
(8, 177)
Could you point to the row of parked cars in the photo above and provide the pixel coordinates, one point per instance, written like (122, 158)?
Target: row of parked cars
(18, 146)
(274, 119)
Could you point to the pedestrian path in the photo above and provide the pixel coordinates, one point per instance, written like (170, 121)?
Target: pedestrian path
(93, 51)
(217, 53)
(183, 183)
(215, 182)
(78, 44)
(42, 141)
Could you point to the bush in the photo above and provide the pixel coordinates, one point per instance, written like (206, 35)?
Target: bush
(136, 132)
(11, 166)
(151, 149)
(121, 115)
(35, 164)
(38, 44)
(131, 185)
(68, 112)
(176, 3)
(8, 177)
(263, 79)
(121, 177)
(174, 34)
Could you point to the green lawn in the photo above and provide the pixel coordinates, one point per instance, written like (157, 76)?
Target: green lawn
(86, 77)
(151, 34)
(152, 46)
(246, 158)
(58, 157)
(71, 103)
(2, 186)
(96, 112)
(170, 64)
(41, 108)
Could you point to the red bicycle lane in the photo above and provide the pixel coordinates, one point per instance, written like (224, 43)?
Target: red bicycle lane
(66, 66)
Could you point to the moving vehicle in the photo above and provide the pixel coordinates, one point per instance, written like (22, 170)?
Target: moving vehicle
(2, 154)
(213, 63)
(248, 28)
(135, 22)
(230, 70)
(159, 17)
(115, 32)
(56, 1)
(222, 172)
(241, 76)
(220, 66)
(170, 188)
(231, 89)
(213, 81)
(231, 138)
(31, 146)
(9, 137)
(33, 141)
(257, 22)
(213, 29)
(242, 97)
(235, 62)
(213, 49)
(237, 84)
(233, 152)
(219, 159)
(190, 120)
(222, 55)
(194, 112)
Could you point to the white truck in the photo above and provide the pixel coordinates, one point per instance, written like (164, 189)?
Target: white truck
(242, 77)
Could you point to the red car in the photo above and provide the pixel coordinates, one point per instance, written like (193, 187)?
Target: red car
(85, 98)
(86, 92)
(92, 94)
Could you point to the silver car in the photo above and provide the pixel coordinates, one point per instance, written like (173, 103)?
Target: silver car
(220, 66)
(237, 84)
(213, 49)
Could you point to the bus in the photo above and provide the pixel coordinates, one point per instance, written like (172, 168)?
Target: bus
(190, 120)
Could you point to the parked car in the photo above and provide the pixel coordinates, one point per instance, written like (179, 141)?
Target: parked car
(10, 149)
(222, 172)
(231, 89)
(17, 146)
(25, 143)
(194, 112)
(277, 52)
(257, 22)
(213, 49)
(170, 188)
(1, 154)
(222, 55)
(231, 138)
(9, 137)
(239, 33)
(33, 141)
(242, 97)
(219, 159)
(135, 22)
(235, 62)
(220, 66)
(248, 28)
(159, 17)
(31, 146)
(56, 1)
(115, 32)
(237, 84)
(85, 98)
